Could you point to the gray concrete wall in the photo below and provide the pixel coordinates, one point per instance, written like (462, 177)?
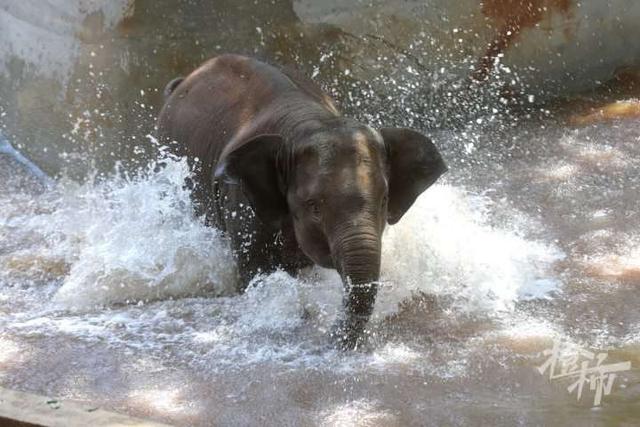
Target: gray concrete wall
(80, 80)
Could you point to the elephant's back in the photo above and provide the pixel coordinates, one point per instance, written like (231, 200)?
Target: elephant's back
(218, 100)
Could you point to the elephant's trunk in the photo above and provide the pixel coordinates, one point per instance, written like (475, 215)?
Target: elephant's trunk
(357, 259)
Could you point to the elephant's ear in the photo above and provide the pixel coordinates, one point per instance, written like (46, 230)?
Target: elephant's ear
(253, 166)
(414, 164)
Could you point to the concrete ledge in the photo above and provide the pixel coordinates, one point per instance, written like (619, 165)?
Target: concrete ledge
(18, 409)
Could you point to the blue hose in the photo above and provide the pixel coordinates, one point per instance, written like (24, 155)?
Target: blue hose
(7, 148)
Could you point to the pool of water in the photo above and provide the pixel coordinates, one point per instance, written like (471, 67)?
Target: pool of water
(112, 292)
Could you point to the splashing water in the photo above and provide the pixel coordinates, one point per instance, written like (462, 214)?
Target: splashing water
(445, 246)
(120, 269)
(127, 239)
(122, 261)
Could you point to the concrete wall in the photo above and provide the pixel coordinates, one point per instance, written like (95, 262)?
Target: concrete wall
(552, 43)
(80, 80)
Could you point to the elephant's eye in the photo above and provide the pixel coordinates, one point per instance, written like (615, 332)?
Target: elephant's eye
(385, 200)
(312, 206)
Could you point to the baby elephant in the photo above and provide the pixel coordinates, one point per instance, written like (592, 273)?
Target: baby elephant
(290, 180)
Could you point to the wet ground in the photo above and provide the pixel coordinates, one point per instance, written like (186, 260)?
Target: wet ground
(112, 293)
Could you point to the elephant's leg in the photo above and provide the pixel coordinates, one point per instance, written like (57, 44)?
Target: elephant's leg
(266, 252)
(251, 244)
(204, 200)
(254, 255)
(287, 254)
(258, 249)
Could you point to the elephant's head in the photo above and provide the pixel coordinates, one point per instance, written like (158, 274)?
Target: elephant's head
(339, 187)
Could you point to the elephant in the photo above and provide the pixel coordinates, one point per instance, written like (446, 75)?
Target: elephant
(290, 180)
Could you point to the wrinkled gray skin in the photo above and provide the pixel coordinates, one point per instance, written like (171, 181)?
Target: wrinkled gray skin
(290, 180)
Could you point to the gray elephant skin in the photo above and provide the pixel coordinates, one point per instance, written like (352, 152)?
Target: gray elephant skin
(290, 180)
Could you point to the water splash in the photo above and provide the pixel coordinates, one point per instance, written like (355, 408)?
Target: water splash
(444, 245)
(126, 239)
(133, 239)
